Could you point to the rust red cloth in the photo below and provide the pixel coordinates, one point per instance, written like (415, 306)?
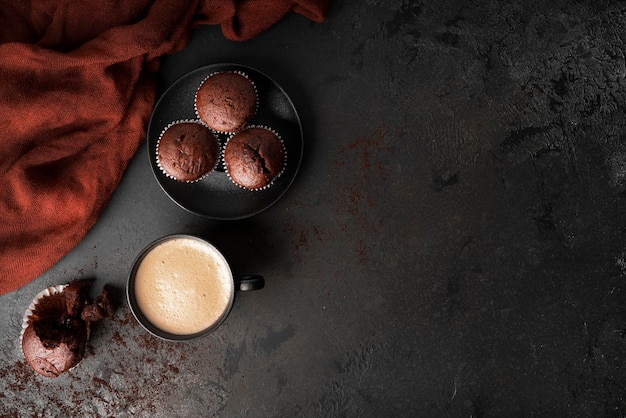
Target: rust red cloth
(77, 86)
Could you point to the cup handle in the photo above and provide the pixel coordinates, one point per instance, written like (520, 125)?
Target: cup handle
(245, 283)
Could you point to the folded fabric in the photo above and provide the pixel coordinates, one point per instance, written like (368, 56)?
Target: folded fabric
(77, 86)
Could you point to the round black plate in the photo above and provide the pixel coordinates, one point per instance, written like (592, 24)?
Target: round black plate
(215, 196)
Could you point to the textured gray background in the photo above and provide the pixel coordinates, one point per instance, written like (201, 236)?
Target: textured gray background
(453, 245)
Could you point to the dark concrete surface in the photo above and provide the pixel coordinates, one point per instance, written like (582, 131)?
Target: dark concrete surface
(453, 245)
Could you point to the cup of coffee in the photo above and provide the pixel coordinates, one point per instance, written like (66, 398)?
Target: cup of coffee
(181, 287)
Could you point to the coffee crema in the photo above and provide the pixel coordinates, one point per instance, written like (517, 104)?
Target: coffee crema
(183, 286)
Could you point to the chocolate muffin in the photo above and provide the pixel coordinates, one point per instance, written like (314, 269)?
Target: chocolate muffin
(56, 326)
(226, 101)
(254, 157)
(187, 151)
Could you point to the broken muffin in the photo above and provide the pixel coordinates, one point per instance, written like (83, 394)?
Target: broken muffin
(57, 324)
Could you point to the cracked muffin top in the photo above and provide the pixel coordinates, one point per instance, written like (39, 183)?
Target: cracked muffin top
(254, 158)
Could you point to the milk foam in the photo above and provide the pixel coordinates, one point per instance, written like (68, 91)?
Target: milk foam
(183, 286)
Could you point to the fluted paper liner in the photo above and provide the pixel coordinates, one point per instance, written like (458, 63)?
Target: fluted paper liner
(26, 319)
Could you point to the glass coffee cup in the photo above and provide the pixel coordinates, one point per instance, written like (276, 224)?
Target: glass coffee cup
(181, 287)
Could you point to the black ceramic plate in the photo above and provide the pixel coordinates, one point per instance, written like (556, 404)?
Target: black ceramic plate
(215, 196)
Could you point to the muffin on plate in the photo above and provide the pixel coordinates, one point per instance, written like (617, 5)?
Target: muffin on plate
(187, 151)
(56, 326)
(226, 101)
(254, 157)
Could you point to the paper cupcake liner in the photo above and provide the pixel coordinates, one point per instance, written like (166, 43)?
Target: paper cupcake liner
(256, 93)
(158, 162)
(267, 186)
(26, 319)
